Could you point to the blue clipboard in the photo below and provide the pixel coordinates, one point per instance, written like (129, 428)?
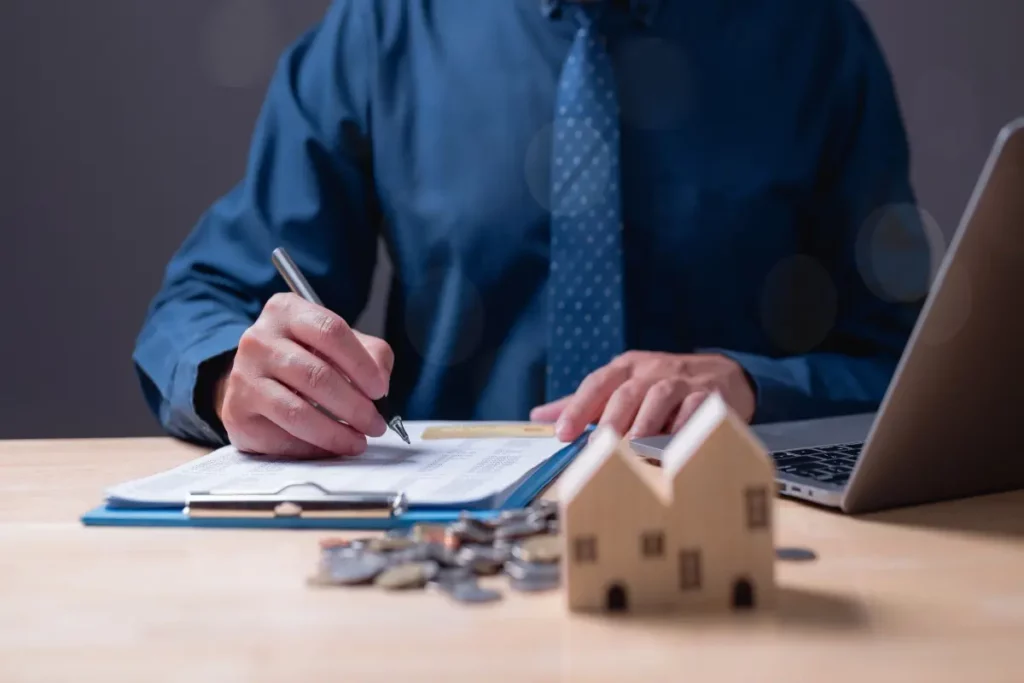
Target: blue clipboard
(117, 516)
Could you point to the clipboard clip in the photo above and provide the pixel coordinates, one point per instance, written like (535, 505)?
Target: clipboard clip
(325, 504)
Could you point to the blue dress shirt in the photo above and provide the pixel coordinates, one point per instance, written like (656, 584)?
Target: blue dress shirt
(759, 139)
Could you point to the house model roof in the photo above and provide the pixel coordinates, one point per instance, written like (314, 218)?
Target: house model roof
(712, 415)
(605, 445)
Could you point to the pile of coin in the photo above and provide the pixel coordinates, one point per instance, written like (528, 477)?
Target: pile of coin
(520, 544)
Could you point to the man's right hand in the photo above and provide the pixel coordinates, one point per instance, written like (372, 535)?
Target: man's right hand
(297, 352)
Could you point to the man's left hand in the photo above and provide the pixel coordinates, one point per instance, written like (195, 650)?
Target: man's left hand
(644, 393)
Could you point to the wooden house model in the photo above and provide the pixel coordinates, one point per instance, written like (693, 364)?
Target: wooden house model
(695, 534)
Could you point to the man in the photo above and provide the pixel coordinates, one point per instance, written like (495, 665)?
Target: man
(596, 211)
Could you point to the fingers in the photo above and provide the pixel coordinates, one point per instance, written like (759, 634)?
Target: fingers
(589, 401)
(662, 400)
(328, 335)
(316, 379)
(623, 405)
(301, 383)
(687, 409)
(549, 412)
(263, 437)
(301, 420)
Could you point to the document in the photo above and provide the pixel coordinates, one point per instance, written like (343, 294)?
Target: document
(432, 472)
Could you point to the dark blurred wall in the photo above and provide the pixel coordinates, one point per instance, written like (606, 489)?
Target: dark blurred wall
(121, 120)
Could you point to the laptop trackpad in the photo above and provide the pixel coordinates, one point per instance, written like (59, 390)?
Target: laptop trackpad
(780, 436)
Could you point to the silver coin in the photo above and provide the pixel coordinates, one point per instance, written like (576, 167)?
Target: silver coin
(390, 543)
(469, 592)
(452, 575)
(405, 576)
(534, 584)
(355, 569)
(520, 529)
(418, 552)
(513, 515)
(492, 523)
(481, 559)
(545, 549)
(538, 518)
(443, 555)
(328, 556)
(546, 507)
(517, 569)
(795, 554)
(471, 531)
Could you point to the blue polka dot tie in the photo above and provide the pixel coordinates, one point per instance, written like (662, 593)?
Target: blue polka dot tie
(586, 303)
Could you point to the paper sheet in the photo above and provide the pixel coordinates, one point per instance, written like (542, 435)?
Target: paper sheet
(441, 472)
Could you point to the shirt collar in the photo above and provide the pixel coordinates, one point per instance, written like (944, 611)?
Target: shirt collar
(642, 10)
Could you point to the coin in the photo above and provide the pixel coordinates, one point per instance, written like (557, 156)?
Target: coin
(355, 569)
(452, 575)
(443, 555)
(338, 553)
(513, 515)
(417, 552)
(518, 569)
(795, 554)
(409, 575)
(534, 584)
(388, 543)
(520, 529)
(469, 592)
(481, 559)
(471, 531)
(545, 506)
(544, 549)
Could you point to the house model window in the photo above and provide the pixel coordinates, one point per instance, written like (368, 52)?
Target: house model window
(689, 569)
(757, 507)
(585, 549)
(653, 544)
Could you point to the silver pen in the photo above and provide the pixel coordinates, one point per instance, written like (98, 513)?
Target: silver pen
(297, 283)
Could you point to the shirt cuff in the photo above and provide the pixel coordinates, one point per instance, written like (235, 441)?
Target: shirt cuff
(186, 415)
(775, 394)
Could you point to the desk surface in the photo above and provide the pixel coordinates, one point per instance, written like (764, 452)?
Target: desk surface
(928, 594)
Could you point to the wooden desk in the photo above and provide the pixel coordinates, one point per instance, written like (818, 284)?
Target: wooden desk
(930, 594)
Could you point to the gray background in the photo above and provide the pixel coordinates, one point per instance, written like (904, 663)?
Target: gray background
(123, 119)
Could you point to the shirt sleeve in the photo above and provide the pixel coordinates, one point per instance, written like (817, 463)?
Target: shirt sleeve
(306, 187)
(869, 235)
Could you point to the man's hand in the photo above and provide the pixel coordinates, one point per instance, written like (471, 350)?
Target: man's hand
(297, 352)
(643, 393)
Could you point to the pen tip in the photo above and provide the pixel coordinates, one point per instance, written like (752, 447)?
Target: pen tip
(399, 428)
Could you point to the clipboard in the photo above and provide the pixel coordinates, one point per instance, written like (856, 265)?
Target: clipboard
(334, 510)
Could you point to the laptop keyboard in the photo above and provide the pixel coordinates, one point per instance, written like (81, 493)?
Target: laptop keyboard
(828, 464)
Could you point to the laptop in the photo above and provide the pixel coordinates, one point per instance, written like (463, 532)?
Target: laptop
(951, 424)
